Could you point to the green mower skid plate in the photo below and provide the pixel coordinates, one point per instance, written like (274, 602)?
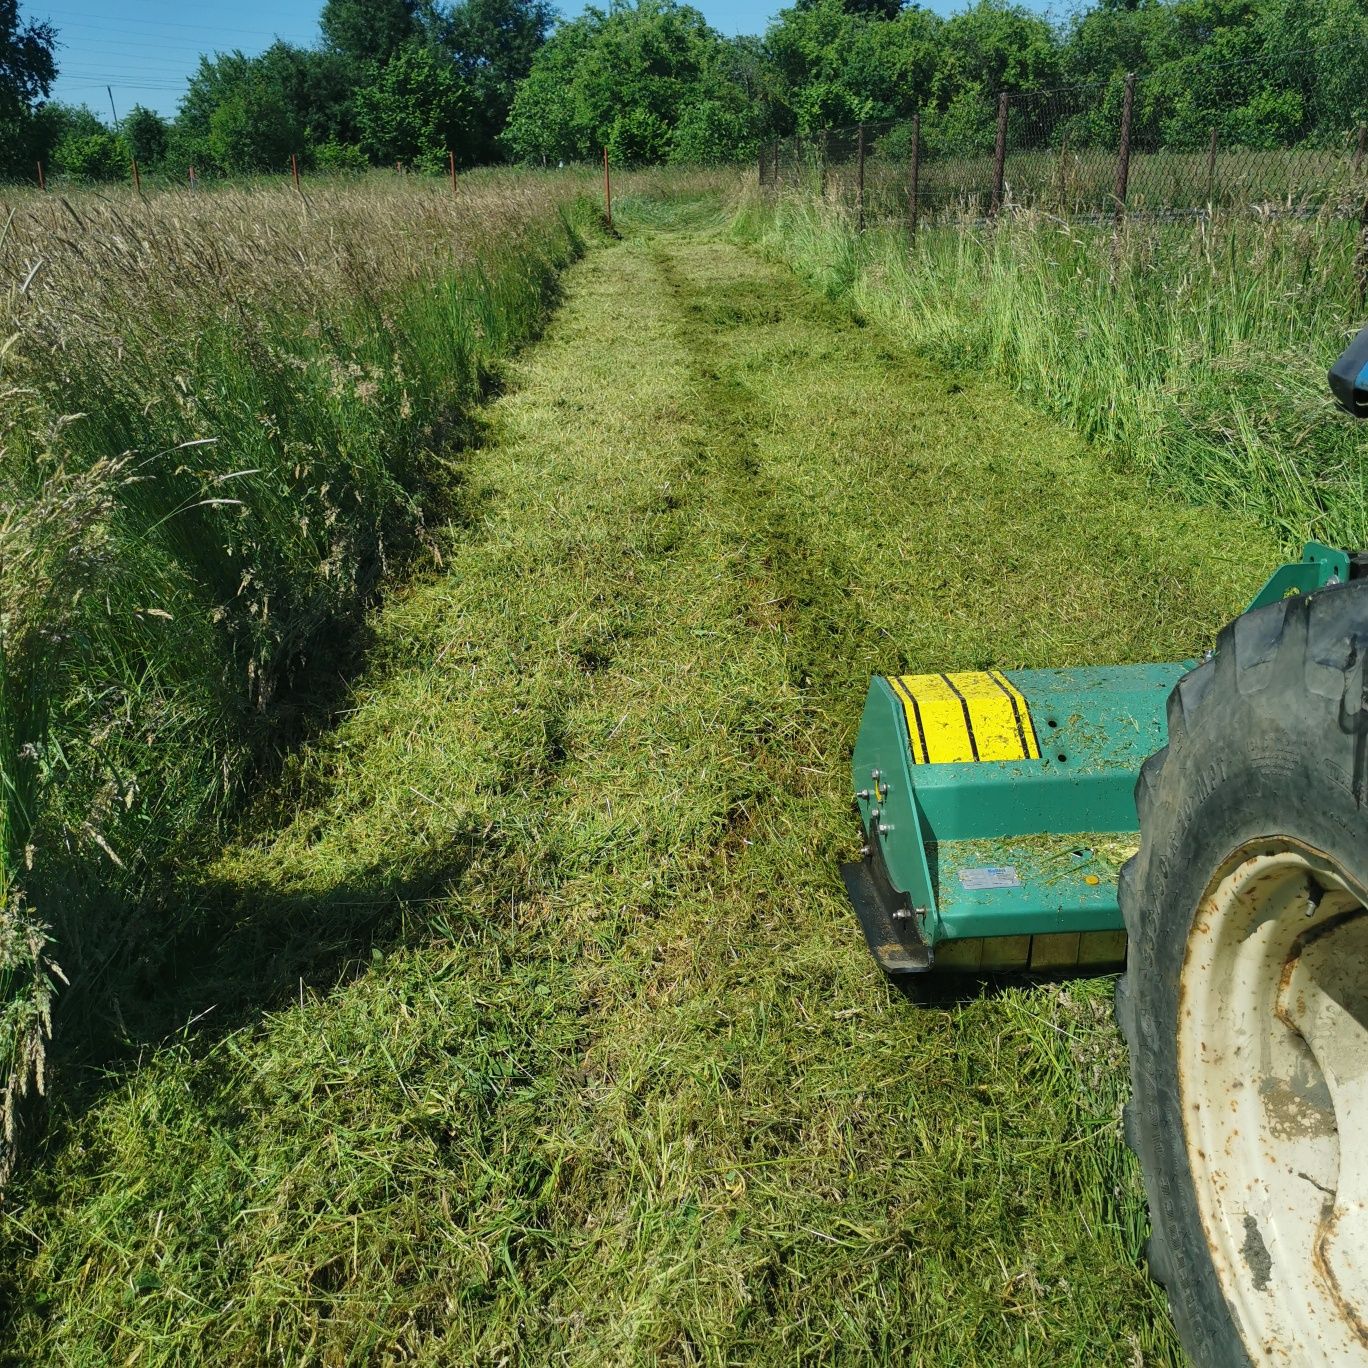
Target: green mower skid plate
(997, 807)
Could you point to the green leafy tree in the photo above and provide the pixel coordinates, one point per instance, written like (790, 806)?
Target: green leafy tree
(91, 152)
(339, 157)
(493, 43)
(627, 79)
(147, 134)
(840, 67)
(27, 65)
(1116, 36)
(549, 120)
(1259, 73)
(714, 129)
(27, 70)
(245, 113)
(999, 46)
(875, 9)
(1337, 32)
(252, 131)
(316, 86)
(369, 30)
(30, 138)
(414, 108)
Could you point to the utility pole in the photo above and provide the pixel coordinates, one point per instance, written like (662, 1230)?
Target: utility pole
(109, 90)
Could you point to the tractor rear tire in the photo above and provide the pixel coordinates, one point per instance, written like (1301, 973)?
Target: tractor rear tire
(1245, 999)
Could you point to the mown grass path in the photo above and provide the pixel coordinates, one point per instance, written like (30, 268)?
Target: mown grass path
(538, 1030)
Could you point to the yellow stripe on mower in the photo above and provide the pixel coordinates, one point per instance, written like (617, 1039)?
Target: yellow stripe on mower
(965, 716)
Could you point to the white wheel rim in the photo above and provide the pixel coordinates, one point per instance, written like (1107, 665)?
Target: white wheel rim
(1273, 1084)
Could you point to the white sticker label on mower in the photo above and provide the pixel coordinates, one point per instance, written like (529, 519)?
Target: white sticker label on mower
(990, 876)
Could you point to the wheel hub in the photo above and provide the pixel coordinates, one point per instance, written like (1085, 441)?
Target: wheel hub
(1273, 1084)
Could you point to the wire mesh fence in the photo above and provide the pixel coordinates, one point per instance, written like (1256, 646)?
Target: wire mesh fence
(1082, 152)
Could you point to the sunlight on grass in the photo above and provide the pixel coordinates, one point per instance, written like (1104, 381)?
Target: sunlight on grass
(1194, 353)
(524, 1019)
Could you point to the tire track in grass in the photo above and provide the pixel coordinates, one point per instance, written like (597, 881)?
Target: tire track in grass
(811, 622)
(623, 1086)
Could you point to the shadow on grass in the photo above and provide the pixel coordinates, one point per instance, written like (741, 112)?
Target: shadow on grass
(950, 990)
(151, 953)
(238, 951)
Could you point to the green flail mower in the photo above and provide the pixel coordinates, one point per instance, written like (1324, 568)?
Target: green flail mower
(1204, 823)
(998, 806)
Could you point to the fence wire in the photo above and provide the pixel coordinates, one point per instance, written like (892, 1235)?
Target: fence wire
(1087, 152)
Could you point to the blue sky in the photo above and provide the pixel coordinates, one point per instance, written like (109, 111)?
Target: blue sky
(145, 49)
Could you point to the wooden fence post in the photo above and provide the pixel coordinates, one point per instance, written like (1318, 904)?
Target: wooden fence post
(1362, 146)
(451, 165)
(1062, 193)
(914, 179)
(42, 182)
(999, 156)
(1361, 256)
(607, 191)
(1124, 150)
(777, 142)
(859, 181)
(1211, 167)
(825, 154)
(137, 179)
(762, 158)
(294, 170)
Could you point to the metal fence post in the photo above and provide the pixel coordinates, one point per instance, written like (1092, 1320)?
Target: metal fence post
(1211, 168)
(1361, 256)
(1124, 150)
(999, 155)
(859, 181)
(914, 179)
(1062, 194)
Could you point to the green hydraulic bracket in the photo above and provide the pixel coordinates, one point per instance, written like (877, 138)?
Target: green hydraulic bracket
(997, 807)
(1319, 567)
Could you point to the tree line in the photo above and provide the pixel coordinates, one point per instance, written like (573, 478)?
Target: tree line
(411, 81)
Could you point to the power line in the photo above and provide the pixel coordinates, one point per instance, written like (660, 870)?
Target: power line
(121, 26)
(138, 49)
(122, 85)
(168, 67)
(102, 75)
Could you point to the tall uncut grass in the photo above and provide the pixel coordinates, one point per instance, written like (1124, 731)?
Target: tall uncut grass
(225, 417)
(1195, 352)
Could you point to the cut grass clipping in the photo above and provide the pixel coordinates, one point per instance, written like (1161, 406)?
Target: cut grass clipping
(526, 1021)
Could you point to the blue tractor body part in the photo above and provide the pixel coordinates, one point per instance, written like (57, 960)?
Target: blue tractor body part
(1349, 377)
